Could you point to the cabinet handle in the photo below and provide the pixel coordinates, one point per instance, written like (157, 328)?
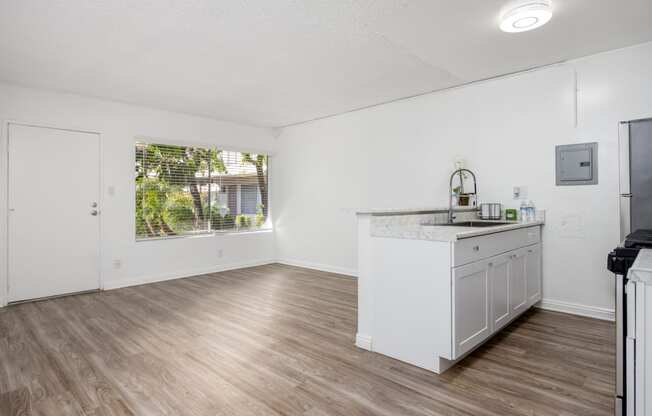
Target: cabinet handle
(529, 251)
(476, 248)
(491, 264)
(513, 256)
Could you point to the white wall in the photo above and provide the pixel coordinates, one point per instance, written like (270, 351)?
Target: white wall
(119, 125)
(401, 154)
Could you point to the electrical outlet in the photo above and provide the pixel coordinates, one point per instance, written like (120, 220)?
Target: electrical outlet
(117, 263)
(517, 192)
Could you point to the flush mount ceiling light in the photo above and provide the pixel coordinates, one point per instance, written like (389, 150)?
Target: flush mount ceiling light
(525, 15)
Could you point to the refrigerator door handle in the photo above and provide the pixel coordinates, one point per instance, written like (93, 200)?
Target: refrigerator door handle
(623, 158)
(624, 180)
(625, 205)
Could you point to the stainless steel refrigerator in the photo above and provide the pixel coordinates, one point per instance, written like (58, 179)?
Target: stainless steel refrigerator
(635, 139)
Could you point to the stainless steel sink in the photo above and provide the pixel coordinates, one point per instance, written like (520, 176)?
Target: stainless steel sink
(468, 224)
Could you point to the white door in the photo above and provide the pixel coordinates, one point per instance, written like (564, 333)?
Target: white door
(471, 321)
(54, 229)
(499, 271)
(518, 282)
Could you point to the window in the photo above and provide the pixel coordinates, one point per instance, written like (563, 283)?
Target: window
(182, 190)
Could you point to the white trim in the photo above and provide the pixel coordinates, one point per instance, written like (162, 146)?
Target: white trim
(214, 233)
(363, 341)
(319, 266)
(577, 309)
(100, 209)
(141, 138)
(4, 213)
(142, 280)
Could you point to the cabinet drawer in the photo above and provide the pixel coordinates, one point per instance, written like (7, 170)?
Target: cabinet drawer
(533, 235)
(473, 249)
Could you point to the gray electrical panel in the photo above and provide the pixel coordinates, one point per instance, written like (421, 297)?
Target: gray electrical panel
(577, 164)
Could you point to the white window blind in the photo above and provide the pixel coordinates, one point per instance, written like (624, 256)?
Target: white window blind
(184, 190)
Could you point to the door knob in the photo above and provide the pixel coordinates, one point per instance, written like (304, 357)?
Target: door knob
(94, 212)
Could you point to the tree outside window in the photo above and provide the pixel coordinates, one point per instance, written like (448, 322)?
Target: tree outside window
(186, 190)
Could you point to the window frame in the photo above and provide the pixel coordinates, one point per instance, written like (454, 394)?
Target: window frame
(267, 226)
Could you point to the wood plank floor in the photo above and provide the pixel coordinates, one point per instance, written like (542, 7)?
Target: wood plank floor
(278, 340)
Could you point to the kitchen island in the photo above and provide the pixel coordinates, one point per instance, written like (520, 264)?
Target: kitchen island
(431, 292)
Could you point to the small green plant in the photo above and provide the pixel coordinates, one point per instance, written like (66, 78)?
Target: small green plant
(242, 221)
(260, 216)
(221, 222)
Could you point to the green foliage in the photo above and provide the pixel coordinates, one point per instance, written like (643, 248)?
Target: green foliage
(221, 222)
(164, 174)
(256, 160)
(242, 221)
(151, 195)
(178, 212)
(260, 216)
(169, 184)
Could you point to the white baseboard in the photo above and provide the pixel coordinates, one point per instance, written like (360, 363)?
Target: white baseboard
(320, 267)
(116, 284)
(577, 309)
(363, 341)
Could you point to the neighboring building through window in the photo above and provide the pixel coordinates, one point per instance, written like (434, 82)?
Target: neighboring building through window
(184, 190)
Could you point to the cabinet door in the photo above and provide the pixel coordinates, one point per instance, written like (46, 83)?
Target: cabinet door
(471, 320)
(499, 271)
(533, 273)
(518, 284)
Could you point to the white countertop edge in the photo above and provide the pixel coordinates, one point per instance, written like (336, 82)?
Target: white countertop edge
(474, 232)
(641, 270)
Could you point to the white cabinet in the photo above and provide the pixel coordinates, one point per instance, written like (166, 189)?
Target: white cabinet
(533, 273)
(518, 282)
(499, 271)
(430, 302)
(490, 293)
(471, 322)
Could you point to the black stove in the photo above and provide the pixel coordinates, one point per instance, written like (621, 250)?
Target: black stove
(621, 258)
(639, 239)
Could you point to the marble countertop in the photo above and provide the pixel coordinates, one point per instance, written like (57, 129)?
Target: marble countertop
(641, 270)
(443, 232)
(409, 211)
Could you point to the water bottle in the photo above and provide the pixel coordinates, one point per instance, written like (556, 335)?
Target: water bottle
(524, 212)
(531, 214)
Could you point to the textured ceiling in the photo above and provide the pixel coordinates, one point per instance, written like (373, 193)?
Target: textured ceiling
(279, 62)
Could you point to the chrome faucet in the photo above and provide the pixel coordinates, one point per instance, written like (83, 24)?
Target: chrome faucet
(459, 172)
